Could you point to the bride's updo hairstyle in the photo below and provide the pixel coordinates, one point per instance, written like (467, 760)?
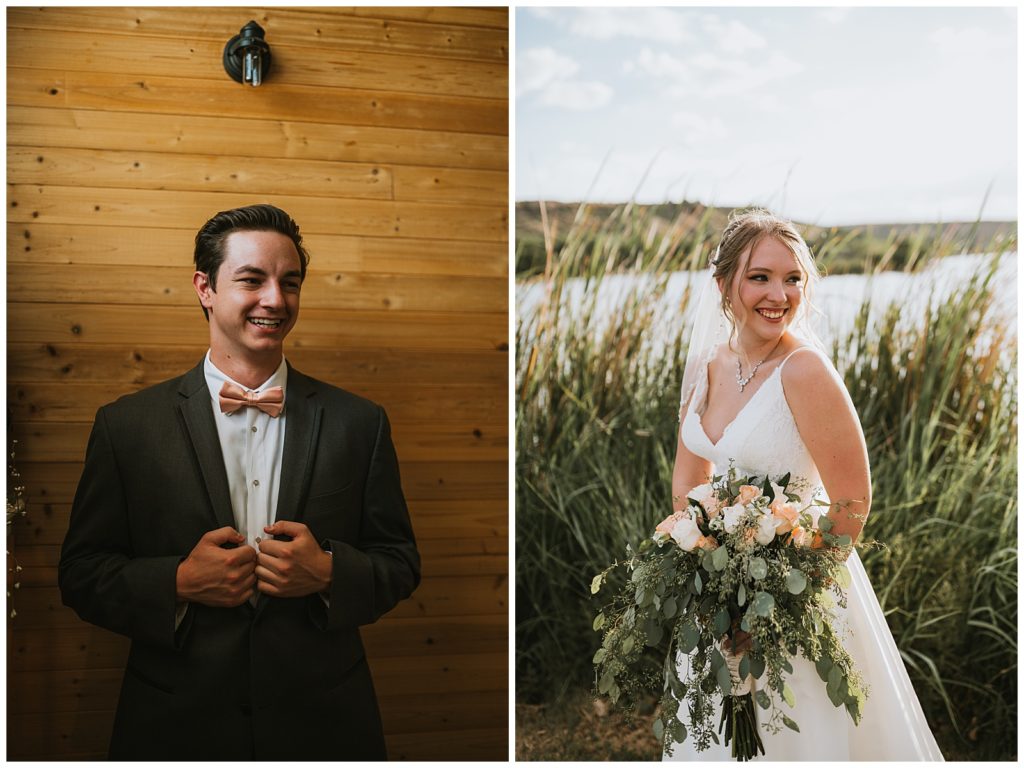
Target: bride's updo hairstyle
(739, 238)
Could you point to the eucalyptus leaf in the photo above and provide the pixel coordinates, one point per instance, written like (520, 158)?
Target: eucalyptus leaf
(724, 680)
(786, 665)
(698, 585)
(756, 665)
(722, 622)
(757, 568)
(744, 666)
(627, 644)
(720, 558)
(606, 682)
(790, 724)
(833, 695)
(598, 621)
(595, 585)
(763, 604)
(659, 730)
(845, 540)
(636, 575)
(741, 596)
(787, 695)
(690, 637)
(707, 561)
(600, 654)
(823, 665)
(668, 608)
(843, 576)
(762, 698)
(825, 524)
(796, 581)
(835, 676)
(654, 633)
(613, 693)
(717, 659)
(678, 732)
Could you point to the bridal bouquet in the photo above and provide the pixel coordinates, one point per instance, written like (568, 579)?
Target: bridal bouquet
(743, 579)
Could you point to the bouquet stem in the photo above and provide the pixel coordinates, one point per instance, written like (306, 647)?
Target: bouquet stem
(739, 723)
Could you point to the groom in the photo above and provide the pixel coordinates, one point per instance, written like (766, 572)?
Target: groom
(239, 523)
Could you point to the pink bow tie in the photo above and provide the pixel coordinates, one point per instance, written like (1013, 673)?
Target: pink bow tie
(233, 397)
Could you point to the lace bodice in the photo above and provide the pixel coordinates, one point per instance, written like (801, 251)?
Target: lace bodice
(761, 439)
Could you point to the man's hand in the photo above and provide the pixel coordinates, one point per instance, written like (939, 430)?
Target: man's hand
(218, 577)
(293, 568)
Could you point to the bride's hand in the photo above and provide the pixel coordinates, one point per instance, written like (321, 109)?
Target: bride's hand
(737, 641)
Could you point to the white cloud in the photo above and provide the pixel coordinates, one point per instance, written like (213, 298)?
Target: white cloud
(967, 41)
(662, 64)
(834, 15)
(660, 24)
(693, 128)
(550, 74)
(709, 75)
(577, 94)
(537, 68)
(731, 36)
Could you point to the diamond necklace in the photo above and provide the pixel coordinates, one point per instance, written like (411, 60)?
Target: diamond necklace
(753, 371)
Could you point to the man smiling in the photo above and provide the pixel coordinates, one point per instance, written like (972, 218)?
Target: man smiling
(239, 523)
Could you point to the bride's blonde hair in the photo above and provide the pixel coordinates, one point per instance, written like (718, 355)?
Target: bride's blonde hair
(747, 228)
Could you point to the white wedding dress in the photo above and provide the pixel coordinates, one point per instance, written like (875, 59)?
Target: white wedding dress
(763, 439)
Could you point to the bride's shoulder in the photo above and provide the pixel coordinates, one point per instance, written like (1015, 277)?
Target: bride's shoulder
(808, 371)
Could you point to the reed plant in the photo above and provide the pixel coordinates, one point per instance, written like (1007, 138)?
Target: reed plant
(596, 425)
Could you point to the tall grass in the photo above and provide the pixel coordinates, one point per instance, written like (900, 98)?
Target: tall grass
(596, 422)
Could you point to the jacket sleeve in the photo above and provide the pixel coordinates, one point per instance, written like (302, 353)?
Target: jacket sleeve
(369, 579)
(100, 575)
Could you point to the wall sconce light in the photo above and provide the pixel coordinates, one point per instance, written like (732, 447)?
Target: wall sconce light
(247, 55)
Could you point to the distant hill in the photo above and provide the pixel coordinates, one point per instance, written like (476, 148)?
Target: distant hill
(860, 239)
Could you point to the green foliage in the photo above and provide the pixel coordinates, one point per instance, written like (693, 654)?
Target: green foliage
(596, 421)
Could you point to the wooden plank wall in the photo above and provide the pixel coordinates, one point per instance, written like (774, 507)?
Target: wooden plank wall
(384, 132)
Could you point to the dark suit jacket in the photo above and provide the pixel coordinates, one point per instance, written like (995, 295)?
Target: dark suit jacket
(286, 679)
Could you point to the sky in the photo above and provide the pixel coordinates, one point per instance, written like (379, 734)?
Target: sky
(828, 116)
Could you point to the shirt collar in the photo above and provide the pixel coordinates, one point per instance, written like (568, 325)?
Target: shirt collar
(215, 378)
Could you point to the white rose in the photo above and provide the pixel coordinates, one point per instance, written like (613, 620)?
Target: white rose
(733, 516)
(765, 529)
(686, 534)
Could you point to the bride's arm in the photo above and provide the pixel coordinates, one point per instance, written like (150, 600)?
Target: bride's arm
(689, 471)
(830, 429)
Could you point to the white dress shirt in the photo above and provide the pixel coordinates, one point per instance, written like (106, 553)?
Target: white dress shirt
(252, 444)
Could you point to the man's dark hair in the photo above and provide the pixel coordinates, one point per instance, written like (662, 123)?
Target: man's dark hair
(210, 239)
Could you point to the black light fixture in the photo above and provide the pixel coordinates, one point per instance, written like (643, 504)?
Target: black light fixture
(247, 55)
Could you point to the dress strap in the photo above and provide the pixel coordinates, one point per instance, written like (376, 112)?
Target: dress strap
(798, 349)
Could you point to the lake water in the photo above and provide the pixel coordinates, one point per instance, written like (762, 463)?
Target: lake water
(839, 298)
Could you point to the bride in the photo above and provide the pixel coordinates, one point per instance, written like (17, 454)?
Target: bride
(759, 393)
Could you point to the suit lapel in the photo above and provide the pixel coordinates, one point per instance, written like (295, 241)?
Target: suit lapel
(302, 428)
(197, 411)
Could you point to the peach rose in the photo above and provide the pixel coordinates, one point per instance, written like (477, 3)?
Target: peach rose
(705, 494)
(666, 525)
(784, 514)
(800, 537)
(710, 543)
(747, 494)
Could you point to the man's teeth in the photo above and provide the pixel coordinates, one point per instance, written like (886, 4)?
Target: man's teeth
(265, 323)
(772, 314)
